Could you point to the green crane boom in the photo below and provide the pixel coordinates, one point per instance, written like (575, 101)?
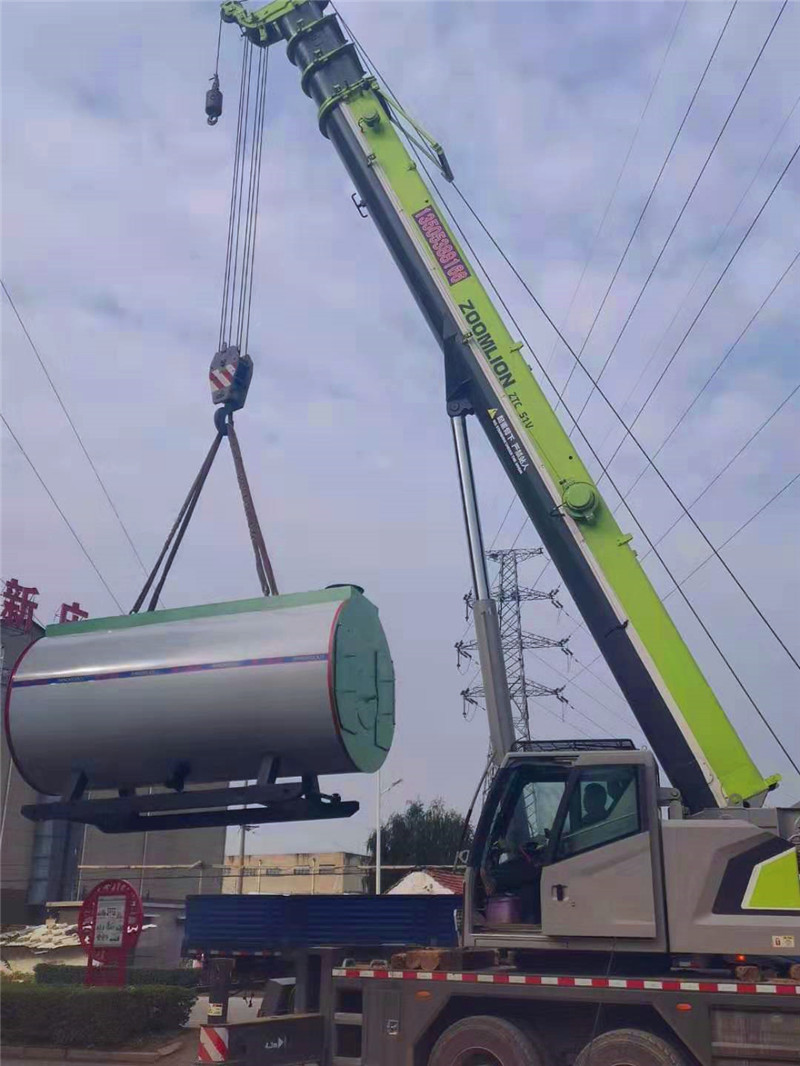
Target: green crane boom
(487, 375)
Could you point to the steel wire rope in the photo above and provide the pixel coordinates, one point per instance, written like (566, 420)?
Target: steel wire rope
(72, 426)
(701, 271)
(232, 209)
(248, 208)
(251, 211)
(677, 587)
(240, 189)
(683, 207)
(57, 506)
(257, 198)
(642, 213)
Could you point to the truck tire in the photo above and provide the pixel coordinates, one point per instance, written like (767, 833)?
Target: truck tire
(485, 1041)
(630, 1047)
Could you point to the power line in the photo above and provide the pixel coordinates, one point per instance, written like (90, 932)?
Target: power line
(715, 371)
(486, 273)
(736, 533)
(69, 525)
(671, 360)
(579, 429)
(591, 695)
(72, 425)
(776, 411)
(701, 271)
(644, 209)
(685, 205)
(628, 428)
(623, 168)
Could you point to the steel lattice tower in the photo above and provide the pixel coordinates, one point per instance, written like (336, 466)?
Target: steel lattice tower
(509, 595)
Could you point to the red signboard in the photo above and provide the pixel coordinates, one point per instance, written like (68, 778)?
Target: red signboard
(19, 605)
(71, 612)
(109, 924)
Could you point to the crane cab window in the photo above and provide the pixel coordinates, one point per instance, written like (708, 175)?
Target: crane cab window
(603, 807)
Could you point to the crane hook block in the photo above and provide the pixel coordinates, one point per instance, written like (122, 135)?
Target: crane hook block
(230, 375)
(214, 102)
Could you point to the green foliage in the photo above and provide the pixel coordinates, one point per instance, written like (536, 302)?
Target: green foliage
(421, 835)
(62, 1016)
(48, 973)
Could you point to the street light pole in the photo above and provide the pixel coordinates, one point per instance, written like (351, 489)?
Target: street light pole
(378, 793)
(243, 831)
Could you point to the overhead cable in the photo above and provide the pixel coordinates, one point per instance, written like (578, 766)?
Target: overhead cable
(67, 522)
(628, 428)
(692, 324)
(684, 206)
(645, 207)
(72, 426)
(623, 168)
(728, 540)
(494, 288)
(701, 271)
(736, 532)
(729, 351)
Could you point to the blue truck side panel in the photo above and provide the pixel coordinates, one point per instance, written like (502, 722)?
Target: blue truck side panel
(262, 923)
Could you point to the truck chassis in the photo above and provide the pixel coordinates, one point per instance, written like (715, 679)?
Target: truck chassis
(349, 1013)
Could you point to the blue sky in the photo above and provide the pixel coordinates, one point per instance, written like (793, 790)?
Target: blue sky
(115, 199)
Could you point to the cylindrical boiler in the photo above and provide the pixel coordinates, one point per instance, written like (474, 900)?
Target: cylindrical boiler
(205, 694)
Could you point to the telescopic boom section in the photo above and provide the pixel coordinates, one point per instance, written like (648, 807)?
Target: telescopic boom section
(486, 374)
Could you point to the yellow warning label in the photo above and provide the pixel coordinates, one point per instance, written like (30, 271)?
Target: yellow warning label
(492, 412)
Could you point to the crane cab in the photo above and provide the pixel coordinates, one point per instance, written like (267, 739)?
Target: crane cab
(572, 851)
(568, 845)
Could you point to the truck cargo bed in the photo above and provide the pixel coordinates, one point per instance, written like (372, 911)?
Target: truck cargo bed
(225, 924)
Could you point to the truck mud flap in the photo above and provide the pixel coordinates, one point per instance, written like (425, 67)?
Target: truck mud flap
(282, 1040)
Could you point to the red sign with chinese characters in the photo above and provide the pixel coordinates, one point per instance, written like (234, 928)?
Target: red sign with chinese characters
(19, 605)
(109, 925)
(71, 612)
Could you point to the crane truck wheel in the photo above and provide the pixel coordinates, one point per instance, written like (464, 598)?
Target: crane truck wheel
(630, 1047)
(485, 1041)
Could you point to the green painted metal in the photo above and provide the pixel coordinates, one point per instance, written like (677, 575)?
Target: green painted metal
(535, 420)
(774, 885)
(732, 773)
(208, 610)
(363, 684)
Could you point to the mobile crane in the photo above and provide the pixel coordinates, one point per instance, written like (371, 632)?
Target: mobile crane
(573, 867)
(709, 768)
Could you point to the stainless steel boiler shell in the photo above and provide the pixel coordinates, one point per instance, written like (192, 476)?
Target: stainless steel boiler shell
(209, 690)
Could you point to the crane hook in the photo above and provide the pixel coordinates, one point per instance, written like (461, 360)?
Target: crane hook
(213, 101)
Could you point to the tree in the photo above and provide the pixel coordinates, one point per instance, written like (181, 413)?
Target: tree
(421, 835)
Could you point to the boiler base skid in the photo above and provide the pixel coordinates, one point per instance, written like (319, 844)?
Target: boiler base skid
(299, 801)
